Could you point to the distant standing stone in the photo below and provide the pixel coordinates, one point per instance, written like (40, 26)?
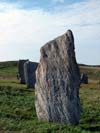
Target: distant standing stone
(29, 72)
(58, 81)
(20, 74)
(84, 78)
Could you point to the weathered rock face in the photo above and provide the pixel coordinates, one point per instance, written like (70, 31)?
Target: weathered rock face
(84, 78)
(58, 81)
(20, 75)
(29, 72)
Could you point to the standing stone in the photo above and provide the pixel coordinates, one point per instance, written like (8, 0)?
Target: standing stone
(84, 78)
(29, 72)
(20, 74)
(58, 81)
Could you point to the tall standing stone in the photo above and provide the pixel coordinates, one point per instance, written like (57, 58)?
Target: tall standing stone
(58, 81)
(29, 72)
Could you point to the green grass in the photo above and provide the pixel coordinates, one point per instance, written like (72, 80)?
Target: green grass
(17, 112)
(8, 69)
(92, 72)
(14, 83)
(18, 115)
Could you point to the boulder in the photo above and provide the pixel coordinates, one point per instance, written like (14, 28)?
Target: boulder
(20, 75)
(58, 82)
(84, 78)
(29, 72)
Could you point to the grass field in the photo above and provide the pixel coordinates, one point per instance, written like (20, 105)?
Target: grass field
(17, 110)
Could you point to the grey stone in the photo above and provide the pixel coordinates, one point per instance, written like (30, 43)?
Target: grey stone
(20, 75)
(84, 78)
(58, 82)
(29, 72)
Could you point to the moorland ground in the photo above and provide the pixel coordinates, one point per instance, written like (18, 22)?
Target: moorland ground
(17, 110)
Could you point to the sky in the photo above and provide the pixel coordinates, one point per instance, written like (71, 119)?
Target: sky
(26, 25)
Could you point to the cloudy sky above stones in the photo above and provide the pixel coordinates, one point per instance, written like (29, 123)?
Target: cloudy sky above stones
(26, 25)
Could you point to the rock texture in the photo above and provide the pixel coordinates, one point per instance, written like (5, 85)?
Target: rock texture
(58, 81)
(20, 74)
(29, 72)
(84, 78)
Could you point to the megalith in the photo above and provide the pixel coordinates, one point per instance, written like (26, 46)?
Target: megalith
(58, 81)
(20, 74)
(29, 73)
(84, 78)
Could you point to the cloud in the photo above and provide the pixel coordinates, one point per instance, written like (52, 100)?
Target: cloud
(23, 32)
(61, 1)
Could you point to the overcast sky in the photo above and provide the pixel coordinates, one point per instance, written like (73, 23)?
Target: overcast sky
(26, 25)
